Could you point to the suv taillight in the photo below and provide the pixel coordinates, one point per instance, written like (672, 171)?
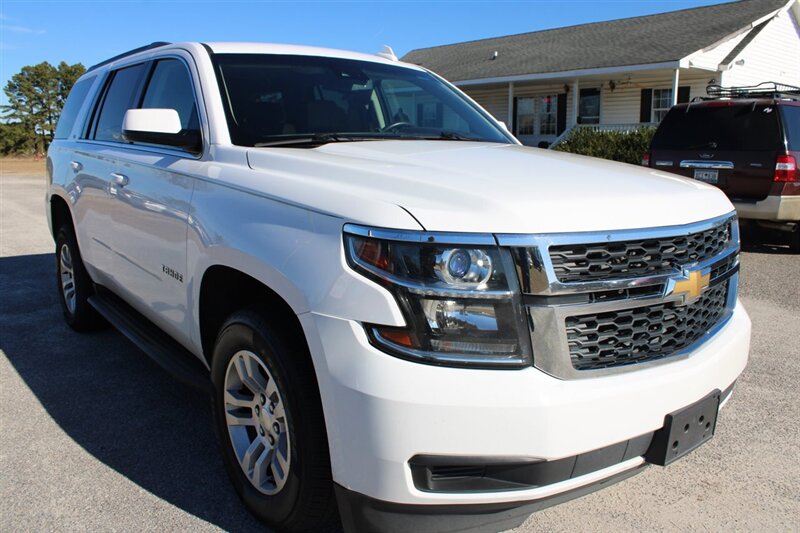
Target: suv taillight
(785, 168)
(646, 159)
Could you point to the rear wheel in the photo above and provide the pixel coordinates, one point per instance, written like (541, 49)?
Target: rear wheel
(73, 283)
(268, 418)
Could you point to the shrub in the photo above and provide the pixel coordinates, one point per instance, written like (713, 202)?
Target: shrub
(627, 147)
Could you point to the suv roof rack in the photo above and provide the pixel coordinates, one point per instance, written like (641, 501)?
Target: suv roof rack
(766, 89)
(157, 44)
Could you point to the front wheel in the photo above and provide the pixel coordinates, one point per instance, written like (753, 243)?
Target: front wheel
(268, 418)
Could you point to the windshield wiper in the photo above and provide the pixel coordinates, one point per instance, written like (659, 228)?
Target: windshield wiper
(317, 138)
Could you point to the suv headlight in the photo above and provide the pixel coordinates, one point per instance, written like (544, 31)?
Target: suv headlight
(461, 302)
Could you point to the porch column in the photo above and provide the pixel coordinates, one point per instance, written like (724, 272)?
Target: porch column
(676, 76)
(510, 119)
(576, 98)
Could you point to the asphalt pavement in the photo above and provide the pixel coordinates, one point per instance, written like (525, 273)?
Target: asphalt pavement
(94, 436)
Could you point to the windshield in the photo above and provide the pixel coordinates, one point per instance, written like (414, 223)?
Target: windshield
(272, 99)
(723, 126)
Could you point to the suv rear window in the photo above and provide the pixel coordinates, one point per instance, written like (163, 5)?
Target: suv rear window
(791, 123)
(736, 127)
(71, 108)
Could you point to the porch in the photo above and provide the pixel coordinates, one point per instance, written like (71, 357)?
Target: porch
(539, 108)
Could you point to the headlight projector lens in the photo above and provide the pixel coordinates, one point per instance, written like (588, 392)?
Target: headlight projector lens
(461, 267)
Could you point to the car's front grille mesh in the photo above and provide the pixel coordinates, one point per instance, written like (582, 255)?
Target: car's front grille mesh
(641, 334)
(625, 259)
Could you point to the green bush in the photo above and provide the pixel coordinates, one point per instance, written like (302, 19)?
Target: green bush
(627, 147)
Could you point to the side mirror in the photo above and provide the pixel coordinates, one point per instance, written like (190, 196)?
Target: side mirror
(159, 126)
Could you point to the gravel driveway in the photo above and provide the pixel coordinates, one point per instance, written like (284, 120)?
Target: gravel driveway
(94, 436)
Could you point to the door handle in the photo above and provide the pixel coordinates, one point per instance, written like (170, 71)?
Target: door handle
(120, 180)
(76, 166)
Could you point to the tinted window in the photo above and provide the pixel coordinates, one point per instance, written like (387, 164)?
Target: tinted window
(269, 96)
(118, 99)
(738, 127)
(791, 123)
(170, 87)
(71, 108)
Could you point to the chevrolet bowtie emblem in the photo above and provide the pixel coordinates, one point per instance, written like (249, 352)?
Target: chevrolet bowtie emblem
(691, 285)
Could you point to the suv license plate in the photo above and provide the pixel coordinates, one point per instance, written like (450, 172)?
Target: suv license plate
(709, 176)
(684, 431)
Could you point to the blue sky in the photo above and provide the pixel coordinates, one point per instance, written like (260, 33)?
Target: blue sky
(90, 31)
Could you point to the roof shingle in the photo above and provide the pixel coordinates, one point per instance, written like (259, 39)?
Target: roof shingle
(632, 41)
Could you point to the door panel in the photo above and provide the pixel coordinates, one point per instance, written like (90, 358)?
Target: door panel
(149, 223)
(87, 187)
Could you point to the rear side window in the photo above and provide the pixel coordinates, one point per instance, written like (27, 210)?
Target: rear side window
(738, 127)
(170, 87)
(791, 123)
(119, 97)
(72, 106)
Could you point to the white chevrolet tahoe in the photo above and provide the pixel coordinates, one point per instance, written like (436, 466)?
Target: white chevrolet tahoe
(407, 321)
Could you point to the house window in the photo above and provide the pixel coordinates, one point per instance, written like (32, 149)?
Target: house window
(662, 102)
(525, 116)
(589, 107)
(548, 111)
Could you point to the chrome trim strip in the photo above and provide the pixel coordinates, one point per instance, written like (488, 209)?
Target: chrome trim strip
(464, 239)
(722, 165)
(588, 237)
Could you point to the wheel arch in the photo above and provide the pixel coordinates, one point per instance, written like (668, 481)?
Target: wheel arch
(224, 290)
(60, 214)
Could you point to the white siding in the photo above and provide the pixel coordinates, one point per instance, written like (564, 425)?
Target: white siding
(711, 59)
(774, 55)
(494, 99)
(622, 105)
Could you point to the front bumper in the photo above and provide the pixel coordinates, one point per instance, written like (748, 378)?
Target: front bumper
(777, 208)
(382, 411)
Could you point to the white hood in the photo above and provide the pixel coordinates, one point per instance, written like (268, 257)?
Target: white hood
(485, 187)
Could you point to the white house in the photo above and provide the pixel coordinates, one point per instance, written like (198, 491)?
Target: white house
(623, 72)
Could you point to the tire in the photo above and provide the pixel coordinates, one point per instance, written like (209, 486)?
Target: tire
(267, 409)
(74, 284)
(794, 240)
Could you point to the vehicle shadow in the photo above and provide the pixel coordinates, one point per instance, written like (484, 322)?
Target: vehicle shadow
(757, 239)
(113, 401)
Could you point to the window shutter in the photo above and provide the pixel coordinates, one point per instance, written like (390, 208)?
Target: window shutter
(561, 113)
(646, 109)
(514, 117)
(683, 94)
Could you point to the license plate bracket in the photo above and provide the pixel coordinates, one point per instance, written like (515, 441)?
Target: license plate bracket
(684, 431)
(707, 176)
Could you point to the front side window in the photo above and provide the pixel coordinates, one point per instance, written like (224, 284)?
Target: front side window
(548, 110)
(119, 97)
(273, 99)
(170, 87)
(662, 102)
(526, 117)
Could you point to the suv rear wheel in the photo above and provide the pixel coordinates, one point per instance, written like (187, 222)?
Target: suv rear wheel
(73, 283)
(268, 418)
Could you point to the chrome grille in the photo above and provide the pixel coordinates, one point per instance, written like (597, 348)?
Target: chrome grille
(607, 260)
(640, 334)
(627, 306)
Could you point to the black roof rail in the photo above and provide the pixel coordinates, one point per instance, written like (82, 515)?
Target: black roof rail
(157, 44)
(766, 89)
